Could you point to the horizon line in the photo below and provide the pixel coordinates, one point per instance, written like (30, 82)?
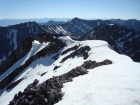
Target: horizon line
(66, 18)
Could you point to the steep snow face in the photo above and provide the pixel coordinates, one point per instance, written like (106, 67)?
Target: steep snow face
(36, 46)
(115, 84)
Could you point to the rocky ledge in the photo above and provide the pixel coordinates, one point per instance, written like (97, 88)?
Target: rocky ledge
(50, 91)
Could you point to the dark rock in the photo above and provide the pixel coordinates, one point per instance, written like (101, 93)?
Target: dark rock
(40, 98)
(35, 82)
(15, 97)
(44, 89)
(27, 91)
(82, 70)
(50, 98)
(60, 95)
(49, 92)
(89, 64)
(19, 94)
(82, 50)
(56, 67)
(35, 101)
(106, 62)
(30, 85)
(48, 89)
(85, 55)
(58, 84)
(30, 97)
(25, 102)
(11, 103)
(34, 90)
(56, 56)
(43, 73)
(70, 49)
(14, 84)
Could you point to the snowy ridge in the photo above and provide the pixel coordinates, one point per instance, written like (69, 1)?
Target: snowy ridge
(118, 83)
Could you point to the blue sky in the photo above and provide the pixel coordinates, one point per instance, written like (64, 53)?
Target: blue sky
(22, 9)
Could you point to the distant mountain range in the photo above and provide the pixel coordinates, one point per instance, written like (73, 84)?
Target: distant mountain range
(122, 31)
(7, 22)
(51, 22)
(77, 27)
(130, 24)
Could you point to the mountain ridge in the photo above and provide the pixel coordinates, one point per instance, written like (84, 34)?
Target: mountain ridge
(75, 28)
(40, 83)
(123, 40)
(12, 36)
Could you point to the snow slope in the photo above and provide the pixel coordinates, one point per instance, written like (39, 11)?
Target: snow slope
(115, 84)
(36, 46)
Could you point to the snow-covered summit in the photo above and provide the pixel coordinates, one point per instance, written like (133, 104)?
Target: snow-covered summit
(114, 84)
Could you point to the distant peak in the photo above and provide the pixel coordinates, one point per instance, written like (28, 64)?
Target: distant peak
(76, 18)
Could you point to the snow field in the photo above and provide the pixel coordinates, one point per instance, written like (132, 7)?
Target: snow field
(115, 84)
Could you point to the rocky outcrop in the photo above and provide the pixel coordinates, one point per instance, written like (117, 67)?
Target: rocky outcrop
(92, 64)
(56, 67)
(82, 50)
(49, 92)
(54, 46)
(70, 49)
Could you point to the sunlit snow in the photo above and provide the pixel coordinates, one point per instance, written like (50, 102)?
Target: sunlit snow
(115, 84)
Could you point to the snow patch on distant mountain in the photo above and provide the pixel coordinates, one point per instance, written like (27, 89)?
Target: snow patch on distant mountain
(14, 37)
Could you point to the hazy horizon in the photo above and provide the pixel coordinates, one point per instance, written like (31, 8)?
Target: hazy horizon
(65, 18)
(84, 9)
(7, 22)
